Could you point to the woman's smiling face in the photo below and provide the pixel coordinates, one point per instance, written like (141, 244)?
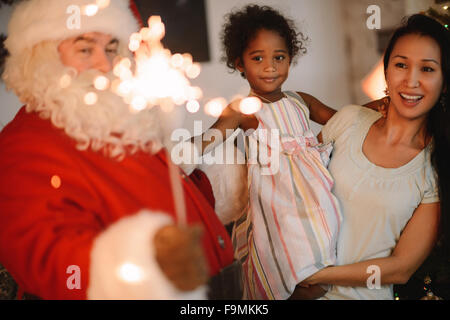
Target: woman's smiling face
(414, 76)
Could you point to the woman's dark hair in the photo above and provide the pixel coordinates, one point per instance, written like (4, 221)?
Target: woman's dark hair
(242, 26)
(438, 121)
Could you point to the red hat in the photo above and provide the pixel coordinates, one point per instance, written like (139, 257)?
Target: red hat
(136, 13)
(35, 21)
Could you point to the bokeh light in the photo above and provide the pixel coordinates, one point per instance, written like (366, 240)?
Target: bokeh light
(90, 98)
(90, 10)
(250, 105)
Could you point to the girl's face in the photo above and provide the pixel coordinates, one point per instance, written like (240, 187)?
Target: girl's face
(265, 63)
(414, 76)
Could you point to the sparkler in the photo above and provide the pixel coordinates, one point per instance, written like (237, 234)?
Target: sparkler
(158, 78)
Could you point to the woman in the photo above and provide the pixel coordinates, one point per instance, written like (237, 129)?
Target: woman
(391, 174)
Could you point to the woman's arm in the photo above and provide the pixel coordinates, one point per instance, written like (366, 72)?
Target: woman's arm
(415, 243)
(321, 113)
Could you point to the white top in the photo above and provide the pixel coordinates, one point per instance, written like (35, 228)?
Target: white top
(376, 202)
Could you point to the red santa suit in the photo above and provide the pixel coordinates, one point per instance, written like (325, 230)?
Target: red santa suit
(62, 207)
(76, 223)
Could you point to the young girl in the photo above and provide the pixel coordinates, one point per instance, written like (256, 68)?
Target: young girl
(290, 227)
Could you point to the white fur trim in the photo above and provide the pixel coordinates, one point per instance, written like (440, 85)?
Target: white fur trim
(128, 242)
(34, 21)
(229, 184)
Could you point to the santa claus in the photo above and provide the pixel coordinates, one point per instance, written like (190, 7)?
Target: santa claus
(87, 209)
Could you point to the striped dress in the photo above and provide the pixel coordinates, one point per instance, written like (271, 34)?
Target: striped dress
(289, 229)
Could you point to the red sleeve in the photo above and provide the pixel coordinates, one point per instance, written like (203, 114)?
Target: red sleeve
(200, 179)
(45, 229)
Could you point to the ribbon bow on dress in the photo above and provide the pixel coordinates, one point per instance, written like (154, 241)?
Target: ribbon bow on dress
(307, 142)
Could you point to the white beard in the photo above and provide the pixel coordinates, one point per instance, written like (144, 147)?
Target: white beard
(108, 125)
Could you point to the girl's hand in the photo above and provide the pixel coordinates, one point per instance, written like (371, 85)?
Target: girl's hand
(383, 107)
(179, 253)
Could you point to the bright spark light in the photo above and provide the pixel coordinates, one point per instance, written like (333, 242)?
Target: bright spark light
(55, 181)
(102, 3)
(65, 81)
(215, 107)
(101, 83)
(194, 71)
(157, 30)
(177, 60)
(130, 272)
(91, 10)
(158, 77)
(138, 103)
(250, 105)
(90, 98)
(193, 106)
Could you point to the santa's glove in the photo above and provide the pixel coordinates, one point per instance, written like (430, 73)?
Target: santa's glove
(180, 255)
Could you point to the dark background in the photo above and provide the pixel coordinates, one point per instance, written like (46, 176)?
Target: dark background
(185, 22)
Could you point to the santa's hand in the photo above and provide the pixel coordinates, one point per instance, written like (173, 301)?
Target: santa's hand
(179, 253)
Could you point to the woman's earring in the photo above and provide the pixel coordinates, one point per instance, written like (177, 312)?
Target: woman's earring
(386, 91)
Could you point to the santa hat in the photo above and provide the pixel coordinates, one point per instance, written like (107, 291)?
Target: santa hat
(34, 21)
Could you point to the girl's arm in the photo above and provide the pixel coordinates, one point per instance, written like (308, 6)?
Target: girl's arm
(321, 113)
(230, 120)
(318, 112)
(415, 244)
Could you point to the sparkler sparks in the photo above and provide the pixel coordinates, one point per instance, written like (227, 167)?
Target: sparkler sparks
(159, 78)
(156, 77)
(90, 98)
(250, 105)
(101, 83)
(102, 3)
(90, 10)
(130, 272)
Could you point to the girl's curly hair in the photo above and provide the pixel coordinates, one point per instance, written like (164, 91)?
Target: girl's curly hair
(241, 27)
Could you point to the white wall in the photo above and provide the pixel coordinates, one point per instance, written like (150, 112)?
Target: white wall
(322, 72)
